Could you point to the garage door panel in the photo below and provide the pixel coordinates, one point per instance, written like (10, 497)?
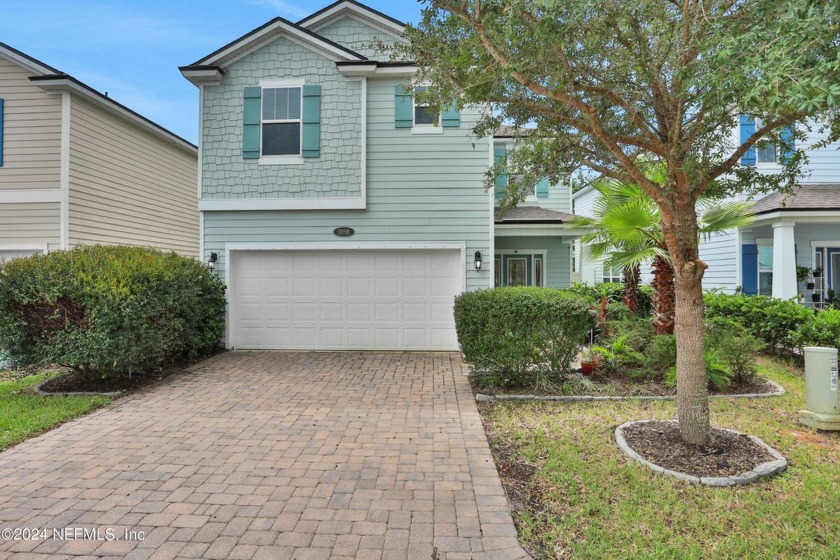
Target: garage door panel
(354, 299)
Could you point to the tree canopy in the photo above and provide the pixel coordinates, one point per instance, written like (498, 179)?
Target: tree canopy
(613, 85)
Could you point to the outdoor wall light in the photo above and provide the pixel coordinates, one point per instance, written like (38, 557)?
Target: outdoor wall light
(477, 262)
(211, 262)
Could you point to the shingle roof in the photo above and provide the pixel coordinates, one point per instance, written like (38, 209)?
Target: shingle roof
(532, 215)
(804, 197)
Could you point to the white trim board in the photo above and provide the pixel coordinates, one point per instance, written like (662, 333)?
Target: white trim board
(243, 204)
(25, 196)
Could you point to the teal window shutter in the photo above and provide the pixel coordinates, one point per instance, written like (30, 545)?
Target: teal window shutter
(788, 144)
(747, 130)
(251, 115)
(749, 269)
(311, 121)
(500, 157)
(1, 132)
(403, 108)
(451, 118)
(542, 188)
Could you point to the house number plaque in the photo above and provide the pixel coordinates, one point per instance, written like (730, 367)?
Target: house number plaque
(344, 231)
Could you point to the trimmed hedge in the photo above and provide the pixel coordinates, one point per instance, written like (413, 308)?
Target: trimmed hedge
(521, 336)
(772, 320)
(109, 311)
(823, 329)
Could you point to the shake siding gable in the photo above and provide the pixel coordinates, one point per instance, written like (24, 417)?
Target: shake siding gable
(127, 187)
(31, 132)
(336, 172)
(357, 36)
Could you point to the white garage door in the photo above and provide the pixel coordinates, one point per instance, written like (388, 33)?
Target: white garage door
(345, 299)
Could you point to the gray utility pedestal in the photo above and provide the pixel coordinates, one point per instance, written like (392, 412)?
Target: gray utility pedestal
(822, 394)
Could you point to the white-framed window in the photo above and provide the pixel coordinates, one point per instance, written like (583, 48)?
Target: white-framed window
(765, 270)
(280, 124)
(611, 274)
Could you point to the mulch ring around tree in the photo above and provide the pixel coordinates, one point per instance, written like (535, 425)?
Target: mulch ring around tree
(729, 454)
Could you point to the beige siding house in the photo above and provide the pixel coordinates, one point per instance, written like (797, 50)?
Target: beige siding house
(76, 167)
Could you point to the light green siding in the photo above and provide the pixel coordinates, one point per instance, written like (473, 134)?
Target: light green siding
(421, 188)
(558, 264)
(336, 173)
(358, 37)
(559, 195)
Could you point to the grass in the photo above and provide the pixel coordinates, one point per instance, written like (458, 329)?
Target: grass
(584, 499)
(24, 414)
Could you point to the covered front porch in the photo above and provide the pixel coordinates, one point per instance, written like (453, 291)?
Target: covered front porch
(793, 247)
(533, 247)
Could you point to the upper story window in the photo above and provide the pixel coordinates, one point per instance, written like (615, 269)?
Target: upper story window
(766, 152)
(424, 117)
(281, 121)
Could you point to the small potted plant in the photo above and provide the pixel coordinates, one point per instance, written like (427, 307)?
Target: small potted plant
(818, 272)
(588, 362)
(802, 272)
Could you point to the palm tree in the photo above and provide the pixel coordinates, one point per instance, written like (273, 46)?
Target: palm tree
(627, 228)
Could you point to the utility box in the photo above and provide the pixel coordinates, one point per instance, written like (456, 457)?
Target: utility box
(822, 394)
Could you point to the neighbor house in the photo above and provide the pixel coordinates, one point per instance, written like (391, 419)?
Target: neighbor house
(343, 213)
(791, 249)
(76, 167)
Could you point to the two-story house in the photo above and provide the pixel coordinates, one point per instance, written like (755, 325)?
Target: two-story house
(77, 167)
(343, 213)
(801, 230)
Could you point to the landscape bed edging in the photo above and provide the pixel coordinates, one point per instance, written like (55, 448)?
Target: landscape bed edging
(761, 471)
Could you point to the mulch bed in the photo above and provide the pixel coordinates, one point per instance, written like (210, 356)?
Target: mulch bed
(617, 385)
(729, 454)
(75, 382)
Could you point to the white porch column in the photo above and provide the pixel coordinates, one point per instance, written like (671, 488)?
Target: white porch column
(784, 261)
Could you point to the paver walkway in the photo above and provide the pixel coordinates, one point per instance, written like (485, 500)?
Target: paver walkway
(270, 455)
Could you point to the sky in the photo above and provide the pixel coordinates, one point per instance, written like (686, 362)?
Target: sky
(132, 48)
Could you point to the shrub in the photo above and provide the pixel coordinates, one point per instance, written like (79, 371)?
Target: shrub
(822, 330)
(735, 346)
(614, 293)
(717, 371)
(662, 354)
(638, 331)
(109, 311)
(618, 354)
(772, 320)
(521, 336)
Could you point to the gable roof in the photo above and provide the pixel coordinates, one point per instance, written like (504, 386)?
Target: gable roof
(343, 8)
(268, 32)
(806, 197)
(51, 79)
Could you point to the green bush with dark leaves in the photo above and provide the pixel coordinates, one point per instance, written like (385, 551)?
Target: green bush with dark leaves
(717, 371)
(109, 311)
(662, 354)
(521, 336)
(823, 329)
(734, 345)
(771, 320)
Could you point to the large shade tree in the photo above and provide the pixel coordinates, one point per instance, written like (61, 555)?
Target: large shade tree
(613, 85)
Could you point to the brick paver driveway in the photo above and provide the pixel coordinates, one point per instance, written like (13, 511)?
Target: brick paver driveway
(269, 455)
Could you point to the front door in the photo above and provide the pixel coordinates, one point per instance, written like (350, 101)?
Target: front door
(520, 269)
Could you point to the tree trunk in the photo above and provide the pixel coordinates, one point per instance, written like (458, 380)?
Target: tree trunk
(680, 228)
(663, 298)
(631, 288)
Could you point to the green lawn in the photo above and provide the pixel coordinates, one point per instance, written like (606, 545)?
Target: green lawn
(24, 414)
(586, 500)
